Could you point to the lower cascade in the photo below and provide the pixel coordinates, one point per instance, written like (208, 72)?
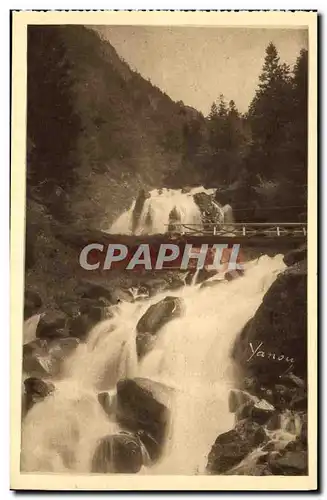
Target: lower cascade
(158, 409)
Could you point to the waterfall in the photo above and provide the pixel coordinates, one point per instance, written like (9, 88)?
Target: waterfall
(154, 215)
(191, 354)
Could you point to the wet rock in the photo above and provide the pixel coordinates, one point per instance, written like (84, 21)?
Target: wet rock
(144, 343)
(174, 221)
(35, 390)
(291, 463)
(156, 285)
(296, 255)
(108, 402)
(52, 324)
(32, 303)
(237, 398)
(210, 209)
(159, 314)
(233, 446)
(292, 380)
(304, 432)
(121, 295)
(30, 327)
(275, 339)
(232, 275)
(143, 405)
(94, 290)
(205, 274)
(244, 411)
(262, 412)
(274, 422)
(120, 453)
(211, 283)
(138, 207)
(42, 358)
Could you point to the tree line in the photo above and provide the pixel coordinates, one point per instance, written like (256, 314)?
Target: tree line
(260, 156)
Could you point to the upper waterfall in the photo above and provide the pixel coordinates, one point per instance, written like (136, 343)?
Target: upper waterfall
(155, 211)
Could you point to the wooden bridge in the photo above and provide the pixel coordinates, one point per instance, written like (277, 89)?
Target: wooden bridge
(243, 229)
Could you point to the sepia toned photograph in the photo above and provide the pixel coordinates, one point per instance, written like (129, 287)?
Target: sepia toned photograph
(163, 221)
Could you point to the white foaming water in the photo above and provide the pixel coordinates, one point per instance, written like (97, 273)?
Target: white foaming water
(191, 354)
(154, 217)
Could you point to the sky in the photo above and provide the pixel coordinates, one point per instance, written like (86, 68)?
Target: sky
(195, 65)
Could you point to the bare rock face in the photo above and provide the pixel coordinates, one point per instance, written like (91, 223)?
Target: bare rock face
(274, 341)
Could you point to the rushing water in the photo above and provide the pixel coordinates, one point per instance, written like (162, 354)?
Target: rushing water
(191, 355)
(154, 215)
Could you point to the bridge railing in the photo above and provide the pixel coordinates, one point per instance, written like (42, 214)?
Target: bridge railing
(246, 230)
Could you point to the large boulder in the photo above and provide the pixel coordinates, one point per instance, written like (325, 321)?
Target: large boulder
(159, 314)
(274, 341)
(43, 358)
(120, 453)
(296, 255)
(153, 319)
(35, 391)
(143, 406)
(290, 463)
(233, 446)
(52, 324)
(94, 290)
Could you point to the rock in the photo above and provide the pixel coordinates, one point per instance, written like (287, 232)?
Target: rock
(108, 402)
(35, 390)
(174, 221)
(210, 209)
(231, 275)
(120, 453)
(304, 432)
(244, 411)
(274, 422)
(296, 255)
(144, 343)
(94, 290)
(159, 314)
(299, 403)
(211, 283)
(238, 398)
(156, 285)
(143, 405)
(293, 381)
(32, 303)
(262, 412)
(233, 446)
(138, 207)
(52, 324)
(275, 339)
(121, 295)
(42, 358)
(30, 327)
(291, 463)
(205, 274)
